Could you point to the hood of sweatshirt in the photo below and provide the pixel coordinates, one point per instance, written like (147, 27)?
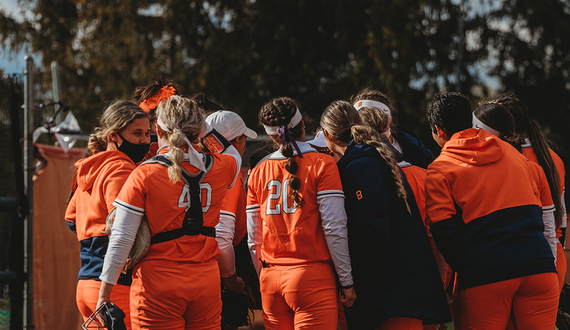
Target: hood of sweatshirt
(474, 147)
(88, 169)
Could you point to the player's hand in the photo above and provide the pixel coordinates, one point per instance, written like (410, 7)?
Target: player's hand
(348, 296)
(234, 283)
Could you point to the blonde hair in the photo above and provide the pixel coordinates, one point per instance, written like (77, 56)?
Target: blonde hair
(116, 117)
(182, 118)
(342, 121)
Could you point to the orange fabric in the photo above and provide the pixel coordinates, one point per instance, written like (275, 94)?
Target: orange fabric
(234, 203)
(299, 297)
(478, 147)
(542, 184)
(402, 323)
(292, 236)
(149, 189)
(531, 302)
(168, 295)
(55, 252)
(99, 179)
(88, 295)
(529, 153)
(163, 94)
(561, 265)
(415, 176)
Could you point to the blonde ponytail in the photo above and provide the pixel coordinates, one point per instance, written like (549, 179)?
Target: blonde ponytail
(183, 118)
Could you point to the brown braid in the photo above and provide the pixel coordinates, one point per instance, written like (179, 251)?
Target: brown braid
(278, 112)
(342, 121)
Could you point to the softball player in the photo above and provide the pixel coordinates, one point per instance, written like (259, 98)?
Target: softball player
(535, 148)
(177, 284)
(297, 227)
(121, 140)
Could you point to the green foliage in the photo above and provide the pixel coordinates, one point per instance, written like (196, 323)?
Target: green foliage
(244, 52)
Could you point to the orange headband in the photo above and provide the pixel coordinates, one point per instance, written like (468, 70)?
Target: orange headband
(163, 94)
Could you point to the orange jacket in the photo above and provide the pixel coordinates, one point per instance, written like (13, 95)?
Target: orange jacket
(99, 178)
(484, 212)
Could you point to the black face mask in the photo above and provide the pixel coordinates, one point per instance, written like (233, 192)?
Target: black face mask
(136, 152)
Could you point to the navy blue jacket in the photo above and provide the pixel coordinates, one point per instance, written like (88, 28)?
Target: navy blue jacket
(394, 270)
(413, 149)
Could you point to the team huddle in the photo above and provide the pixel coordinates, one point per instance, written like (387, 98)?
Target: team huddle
(359, 228)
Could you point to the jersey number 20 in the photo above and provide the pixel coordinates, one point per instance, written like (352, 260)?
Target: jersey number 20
(281, 194)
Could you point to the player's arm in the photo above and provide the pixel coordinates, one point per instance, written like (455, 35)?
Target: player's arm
(330, 200)
(226, 261)
(70, 214)
(443, 217)
(254, 227)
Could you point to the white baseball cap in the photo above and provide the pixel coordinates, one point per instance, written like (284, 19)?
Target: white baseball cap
(319, 140)
(229, 124)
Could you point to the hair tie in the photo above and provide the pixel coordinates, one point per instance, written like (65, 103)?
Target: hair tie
(163, 94)
(284, 131)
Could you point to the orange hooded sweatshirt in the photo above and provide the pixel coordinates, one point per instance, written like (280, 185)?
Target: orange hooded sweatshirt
(99, 179)
(483, 210)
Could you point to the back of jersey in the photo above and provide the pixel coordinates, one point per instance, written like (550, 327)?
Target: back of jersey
(292, 234)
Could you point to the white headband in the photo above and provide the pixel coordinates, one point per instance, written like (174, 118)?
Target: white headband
(478, 124)
(374, 104)
(195, 158)
(274, 130)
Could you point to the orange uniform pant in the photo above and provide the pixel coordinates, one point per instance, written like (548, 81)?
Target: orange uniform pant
(87, 295)
(530, 301)
(299, 297)
(169, 295)
(561, 265)
(402, 323)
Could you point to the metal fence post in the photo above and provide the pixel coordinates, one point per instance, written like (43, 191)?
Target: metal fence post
(29, 107)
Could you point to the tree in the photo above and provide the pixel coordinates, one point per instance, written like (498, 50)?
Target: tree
(242, 53)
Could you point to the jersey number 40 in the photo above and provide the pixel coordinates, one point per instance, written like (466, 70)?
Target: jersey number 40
(184, 198)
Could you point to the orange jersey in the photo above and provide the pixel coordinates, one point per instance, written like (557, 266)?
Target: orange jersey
(234, 206)
(542, 184)
(149, 190)
(292, 235)
(416, 178)
(528, 152)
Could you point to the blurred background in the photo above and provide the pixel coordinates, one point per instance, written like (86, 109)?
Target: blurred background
(242, 53)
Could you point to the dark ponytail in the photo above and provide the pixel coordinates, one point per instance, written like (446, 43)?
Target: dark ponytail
(528, 128)
(278, 112)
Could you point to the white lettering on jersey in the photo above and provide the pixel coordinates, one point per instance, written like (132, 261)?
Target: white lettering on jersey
(281, 191)
(184, 198)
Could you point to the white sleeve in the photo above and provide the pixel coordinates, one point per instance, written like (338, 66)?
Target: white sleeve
(123, 235)
(550, 228)
(232, 151)
(333, 216)
(254, 235)
(225, 231)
